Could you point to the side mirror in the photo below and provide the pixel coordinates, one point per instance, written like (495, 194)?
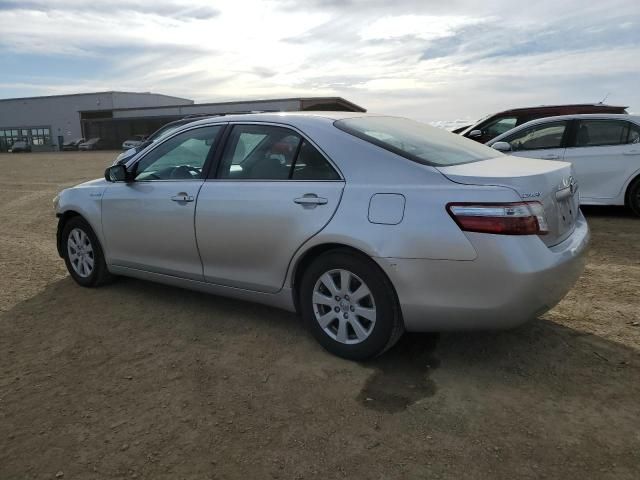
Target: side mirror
(475, 133)
(116, 173)
(502, 147)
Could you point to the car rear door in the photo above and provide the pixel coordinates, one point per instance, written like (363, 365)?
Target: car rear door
(148, 224)
(273, 191)
(604, 154)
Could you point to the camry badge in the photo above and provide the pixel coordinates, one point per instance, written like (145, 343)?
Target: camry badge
(531, 195)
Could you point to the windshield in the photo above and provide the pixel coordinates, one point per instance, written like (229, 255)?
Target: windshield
(475, 124)
(416, 141)
(165, 130)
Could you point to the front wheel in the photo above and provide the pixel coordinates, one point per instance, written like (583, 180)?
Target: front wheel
(83, 254)
(349, 305)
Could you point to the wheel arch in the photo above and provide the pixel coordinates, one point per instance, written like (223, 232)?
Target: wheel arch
(63, 218)
(306, 258)
(635, 178)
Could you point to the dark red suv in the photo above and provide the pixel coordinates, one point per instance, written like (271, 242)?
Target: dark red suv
(498, 123)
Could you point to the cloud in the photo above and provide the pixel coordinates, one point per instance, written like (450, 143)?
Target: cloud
(432, 60)
(161, 8)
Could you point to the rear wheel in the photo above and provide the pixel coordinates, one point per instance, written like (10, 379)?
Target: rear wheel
(349, 305)
(83, 254)
(633, 196)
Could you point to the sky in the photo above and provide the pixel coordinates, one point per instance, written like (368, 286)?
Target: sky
(434, 61)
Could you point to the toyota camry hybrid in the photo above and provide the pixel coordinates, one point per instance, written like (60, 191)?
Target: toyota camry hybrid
(367, 226)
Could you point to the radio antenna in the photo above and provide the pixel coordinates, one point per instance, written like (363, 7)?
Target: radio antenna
(605, 97)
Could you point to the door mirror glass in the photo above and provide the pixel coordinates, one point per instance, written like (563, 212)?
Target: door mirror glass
(475, 133)
(116, 173)
(502, 147)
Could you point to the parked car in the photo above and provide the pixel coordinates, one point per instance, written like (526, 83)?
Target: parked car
(91, 144)
(72, 144)
(20, 146)
(371, 226)
(499, 123)
(133, 142)
(166, 129)
(604, 151)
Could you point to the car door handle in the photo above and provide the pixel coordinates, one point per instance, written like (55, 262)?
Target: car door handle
(551, 156)
(182, 197)
(632, 152)
(310, 200)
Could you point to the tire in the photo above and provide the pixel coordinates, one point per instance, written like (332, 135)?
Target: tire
(77, 233)
(346, 323)
(633, 196)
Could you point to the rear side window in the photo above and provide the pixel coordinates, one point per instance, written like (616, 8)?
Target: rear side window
(311, 165)
(592, 133)
(546, 135)
(416, 141)
(634, 133)
(266, 152)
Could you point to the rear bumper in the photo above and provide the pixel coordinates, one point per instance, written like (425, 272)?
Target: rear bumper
(513, 280)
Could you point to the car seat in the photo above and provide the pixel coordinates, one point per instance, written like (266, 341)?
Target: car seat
(583, 138)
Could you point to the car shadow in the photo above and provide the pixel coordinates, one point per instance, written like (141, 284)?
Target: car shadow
(606, 211)
(83, 367)
(420, 365)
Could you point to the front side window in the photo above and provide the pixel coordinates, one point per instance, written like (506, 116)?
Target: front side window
(266, 152)
(547, 135)
(592, 133)
(416, 141)
(499, 126)
(179, 158)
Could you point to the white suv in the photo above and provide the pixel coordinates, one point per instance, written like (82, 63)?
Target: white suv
(603, 148)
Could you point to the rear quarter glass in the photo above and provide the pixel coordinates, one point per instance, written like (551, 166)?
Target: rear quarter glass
(416, 141)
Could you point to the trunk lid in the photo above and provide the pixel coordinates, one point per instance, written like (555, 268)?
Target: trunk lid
(548, 182)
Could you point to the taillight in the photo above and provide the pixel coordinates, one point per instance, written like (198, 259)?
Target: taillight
(521, 218)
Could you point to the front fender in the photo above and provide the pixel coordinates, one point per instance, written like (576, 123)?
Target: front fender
(84, 200)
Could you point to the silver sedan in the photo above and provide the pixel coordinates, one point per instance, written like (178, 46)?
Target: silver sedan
(366, 225)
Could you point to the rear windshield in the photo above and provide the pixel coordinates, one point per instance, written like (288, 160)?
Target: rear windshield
(417, 141)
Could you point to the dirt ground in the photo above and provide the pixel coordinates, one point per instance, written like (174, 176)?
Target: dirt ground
(137, 380)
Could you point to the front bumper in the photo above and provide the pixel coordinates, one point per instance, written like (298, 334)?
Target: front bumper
(514, 279)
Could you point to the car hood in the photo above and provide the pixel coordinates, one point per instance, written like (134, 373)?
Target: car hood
(98, 182)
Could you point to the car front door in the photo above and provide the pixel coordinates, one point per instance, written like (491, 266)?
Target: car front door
(273, 191)
(605, 153)
(148, 223)
(544, 141)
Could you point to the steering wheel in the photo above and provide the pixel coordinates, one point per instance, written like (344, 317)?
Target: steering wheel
(184, 171)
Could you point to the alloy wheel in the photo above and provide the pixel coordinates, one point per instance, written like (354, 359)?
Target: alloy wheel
(344, 306)
(80, 252)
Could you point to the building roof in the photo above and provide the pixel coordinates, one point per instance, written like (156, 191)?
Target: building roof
(109, 92)
(352, 105)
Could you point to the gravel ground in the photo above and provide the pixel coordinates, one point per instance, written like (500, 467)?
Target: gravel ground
(137, 380)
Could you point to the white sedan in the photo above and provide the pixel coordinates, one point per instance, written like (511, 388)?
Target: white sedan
(603, 148)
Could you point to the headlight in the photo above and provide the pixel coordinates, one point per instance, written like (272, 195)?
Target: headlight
(56, 201)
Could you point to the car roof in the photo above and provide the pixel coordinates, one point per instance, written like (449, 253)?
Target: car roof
(578, 116)
(292, 118)
(602, 106)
